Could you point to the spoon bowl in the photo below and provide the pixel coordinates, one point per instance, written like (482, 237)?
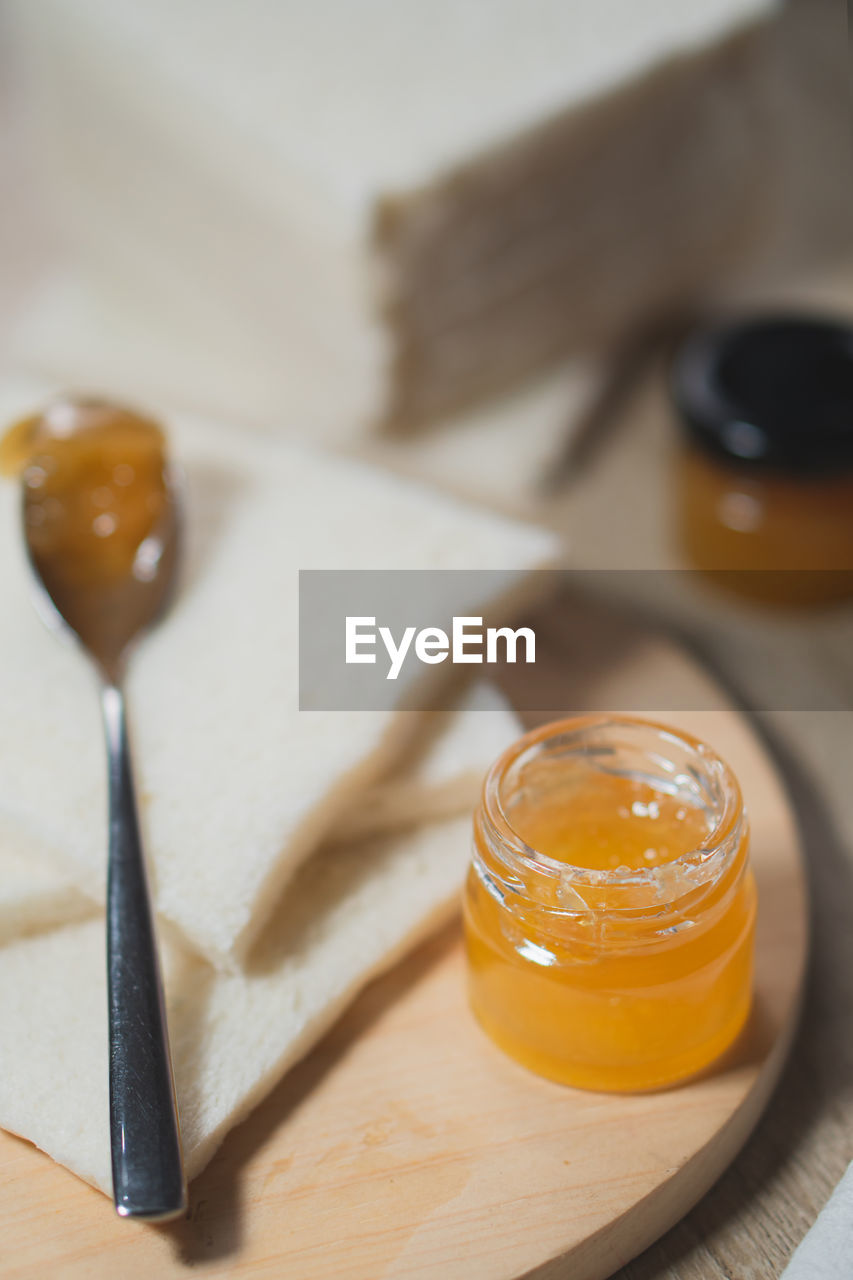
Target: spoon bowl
(100, 511)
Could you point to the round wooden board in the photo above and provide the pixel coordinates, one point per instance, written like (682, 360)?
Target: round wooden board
(407, 1146)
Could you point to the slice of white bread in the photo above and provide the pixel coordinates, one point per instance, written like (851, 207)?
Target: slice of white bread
(35, 893)
(237, 785)
(438, 780)
(365, 76)
(497, 454)
(349, 913)
(442, 775)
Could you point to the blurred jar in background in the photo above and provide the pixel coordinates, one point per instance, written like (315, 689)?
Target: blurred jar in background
(764, 492)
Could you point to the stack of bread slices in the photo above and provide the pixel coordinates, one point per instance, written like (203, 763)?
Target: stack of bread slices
(386, 211)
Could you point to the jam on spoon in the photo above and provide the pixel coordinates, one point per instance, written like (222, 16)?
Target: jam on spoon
(100, 518)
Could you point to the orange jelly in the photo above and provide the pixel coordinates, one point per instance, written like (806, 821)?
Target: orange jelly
(99, 512)
(609, 908)
(775, 538)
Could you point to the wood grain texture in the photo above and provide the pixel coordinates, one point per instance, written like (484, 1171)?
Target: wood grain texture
(405, 1145)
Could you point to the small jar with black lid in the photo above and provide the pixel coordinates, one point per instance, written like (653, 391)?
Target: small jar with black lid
(765, 484)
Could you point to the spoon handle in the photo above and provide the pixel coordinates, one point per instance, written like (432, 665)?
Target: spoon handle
(148, 1177)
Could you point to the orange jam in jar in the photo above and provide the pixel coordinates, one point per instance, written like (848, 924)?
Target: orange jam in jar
(765, 477)
(609, 907)
(776, 539)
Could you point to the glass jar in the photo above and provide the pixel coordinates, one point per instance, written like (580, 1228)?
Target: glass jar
(625, 968)
(765, 476)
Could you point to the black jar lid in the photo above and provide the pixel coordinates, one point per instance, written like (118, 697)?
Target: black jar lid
(771, 392)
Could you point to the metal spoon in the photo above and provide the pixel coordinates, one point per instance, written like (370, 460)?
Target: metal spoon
(81, 593)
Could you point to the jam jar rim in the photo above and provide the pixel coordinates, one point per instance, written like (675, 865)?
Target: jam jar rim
(704, 863)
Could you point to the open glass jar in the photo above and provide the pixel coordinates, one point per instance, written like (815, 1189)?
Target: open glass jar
(609, 907)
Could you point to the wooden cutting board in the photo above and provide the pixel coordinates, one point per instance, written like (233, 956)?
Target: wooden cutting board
(406, 1145)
